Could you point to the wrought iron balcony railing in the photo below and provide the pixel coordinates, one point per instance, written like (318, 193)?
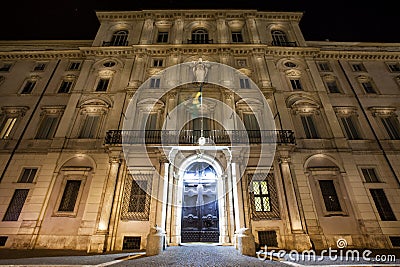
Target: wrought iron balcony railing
(191, 137)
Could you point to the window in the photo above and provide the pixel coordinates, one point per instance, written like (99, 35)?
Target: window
(332, 86)
(70, 195)
(395, 240)
(309, 126)
(109, 64)
(392, 127)
(370, 175)
(324, 66)
(74, 66)
(263, 196)
(237, 37)
(267, 238)
(357, 67)
(290, 64)
(119, 38)
(47, 127)
(329, 196)
(200, 36)
(65, 86)
(279, 38)
(162, 37)
(16, 204)
(3, 240)
(244, 83)
(296, 84)
(5, 67)
(27, 176)
(39, 66)
(136, 202)
(7, 127)
(382, 205)
(250, 121)
(241, 63)
(102, 84)
(394, 67)
(368, 87)
(158, 63)
(350, 128)
(28, 87)
(90, 126)
(131, 242)
(155, 83)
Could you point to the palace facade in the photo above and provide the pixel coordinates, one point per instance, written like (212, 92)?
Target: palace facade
(202, 123)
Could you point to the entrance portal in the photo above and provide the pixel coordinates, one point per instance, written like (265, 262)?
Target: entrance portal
(200, 221)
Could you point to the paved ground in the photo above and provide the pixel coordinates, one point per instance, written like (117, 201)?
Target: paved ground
(188, 255)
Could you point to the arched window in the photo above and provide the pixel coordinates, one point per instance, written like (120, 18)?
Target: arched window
(200, 36)
(119, 38)
(279, 38)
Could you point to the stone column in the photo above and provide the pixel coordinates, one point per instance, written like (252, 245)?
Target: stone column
(98, 241)
(301, 240)
(252, 29)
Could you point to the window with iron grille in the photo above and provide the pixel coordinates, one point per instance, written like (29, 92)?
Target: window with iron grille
(27, 176)
(47, 127)
(370, 175)
(267, 238)
(329, 195)
(309, 127)
(136, 201)
(382, 205)
(263, 196)
(102, 84)
(395, 240)
(3, 240)
(131, 242)
(28, 87)
(70, 195)
(296, 84)
(16, 204)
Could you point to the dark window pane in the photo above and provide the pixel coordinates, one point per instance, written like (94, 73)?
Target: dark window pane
(70, 196)
(329, 195)
(15, 207)
(309, 127)
(391, 125)
(90, 126)
(350, 128)
(370, 175)
(382, 205)
(102, 85)
(65, 87)
(29, 85)
(28, 174)
(47, 127)
(267, 238)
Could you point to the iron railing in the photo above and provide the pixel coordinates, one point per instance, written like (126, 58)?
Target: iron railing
(191, 137)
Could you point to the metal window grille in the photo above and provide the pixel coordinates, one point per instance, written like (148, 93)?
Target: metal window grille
(16, 204)
(136, 198)
(267, 238)
(331, 199)
(131, 242)
(395, 240)
(3, 240)
(28, 174)
(263, 196)
(382, 205)
(370, 175)
(69, 196)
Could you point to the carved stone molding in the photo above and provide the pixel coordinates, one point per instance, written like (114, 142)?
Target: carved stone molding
(345, 111)
(383, 111)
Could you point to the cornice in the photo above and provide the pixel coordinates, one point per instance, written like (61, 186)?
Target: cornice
(20, 55)
(359, 55)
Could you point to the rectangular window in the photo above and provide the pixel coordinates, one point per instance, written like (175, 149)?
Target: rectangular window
(241, 63)
(5, 67)
(244, 83)
(27, 176)
(332, 86)
(324, 66)
(309, 127)
(263, 196)
(16, 204)
(39, 67)
(392, 127)
(65, 87)
(395, 240)
(7, 127)
(74, 66)
(131, 242)
(267, 238)
(157, 63)
(28, 87)
(3, 240)
(47, 127)
(296, 85)
(237, 37)
(329, 196)
(155, 83)
(382, 205)
(70, 195)
(102, 85)
(137, 201)
(368, 87)
(394, 67)
(370, 175)
(350, 128)
(250, 121)
(90, 126)
(357, 67)
(162, 37)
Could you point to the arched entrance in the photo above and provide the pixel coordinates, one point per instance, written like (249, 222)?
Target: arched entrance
(200, 211)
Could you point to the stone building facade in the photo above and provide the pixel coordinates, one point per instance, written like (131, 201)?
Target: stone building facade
(100, 140)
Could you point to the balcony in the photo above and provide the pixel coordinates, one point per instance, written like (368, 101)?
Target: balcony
(191, 137)
(200, 41)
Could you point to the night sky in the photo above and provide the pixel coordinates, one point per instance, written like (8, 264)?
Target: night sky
(349, 21)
